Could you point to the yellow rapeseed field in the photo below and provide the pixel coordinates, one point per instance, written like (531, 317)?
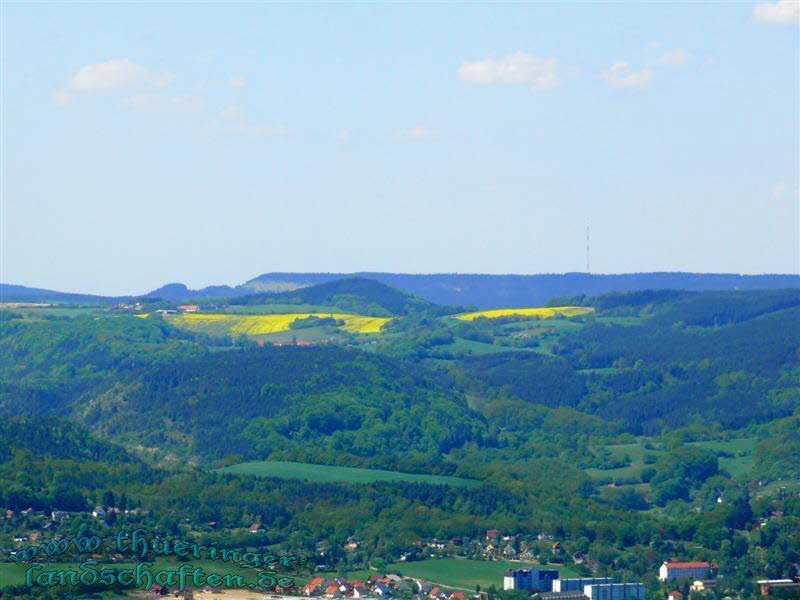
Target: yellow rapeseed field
(266, 324)
(549, 312)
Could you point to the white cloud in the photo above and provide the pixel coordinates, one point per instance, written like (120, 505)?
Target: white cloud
(117, 73)
(231, 112)
(540, 74)
(419, 132)
(344, 134)
(673, 58)
(785, 12)
(61, 98)
(621, 75)
(157, 102)
(237, 81)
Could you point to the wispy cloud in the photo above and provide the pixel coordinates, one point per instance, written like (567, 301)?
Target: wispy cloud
(114, 74)
(238, 127)
(539, 74)
(157, 102)
(621, 75)
(418, 132)
(344, 134)
(231, 112)
(61, 98)
(784, 12)
(673, 58)
(117, 73)
(237, 81)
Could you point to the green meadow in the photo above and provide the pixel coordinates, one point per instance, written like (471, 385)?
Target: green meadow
(327, 473)
(735, 456)
(466, 574)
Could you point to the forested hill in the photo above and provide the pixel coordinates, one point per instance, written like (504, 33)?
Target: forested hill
(356, 295)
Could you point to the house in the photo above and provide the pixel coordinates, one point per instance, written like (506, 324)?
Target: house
(556, 548)
(424, 587)
(492, 534)
(410, 554)
(381, 589)
(360, 591)
(99, 512)
(26, 512)
(509, 551)
(675, 595)
(189, 308)
(457, 596)
(35, 536)
(9, 514)
(690, 570)
(58, 515)
(312, 586)
(434, 593)
(702, 585)
(256, 528)
(331, 591)
(212, 524)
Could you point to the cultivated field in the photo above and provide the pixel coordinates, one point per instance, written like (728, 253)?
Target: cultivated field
(549, 312)
(228, 324)
(311, 472)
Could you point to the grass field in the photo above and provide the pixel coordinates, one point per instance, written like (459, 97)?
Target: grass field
(229, 324)
(310, 472)
(739, 463)
(550, 312)
(466, 574)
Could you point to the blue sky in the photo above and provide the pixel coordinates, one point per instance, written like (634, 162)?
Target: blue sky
(209, 143)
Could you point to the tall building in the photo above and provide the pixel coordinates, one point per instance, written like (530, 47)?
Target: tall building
(689, 570)
(533, 579)
(524, 579)
(569, 585)
(614, 591)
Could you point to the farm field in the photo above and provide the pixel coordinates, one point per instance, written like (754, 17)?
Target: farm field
(230, 324)
(550, 312)
(311, 472)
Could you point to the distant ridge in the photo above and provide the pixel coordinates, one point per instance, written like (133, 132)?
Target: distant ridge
(481, 291)
(509, 291)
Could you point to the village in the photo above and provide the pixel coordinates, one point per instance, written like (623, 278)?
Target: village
(540, 558)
